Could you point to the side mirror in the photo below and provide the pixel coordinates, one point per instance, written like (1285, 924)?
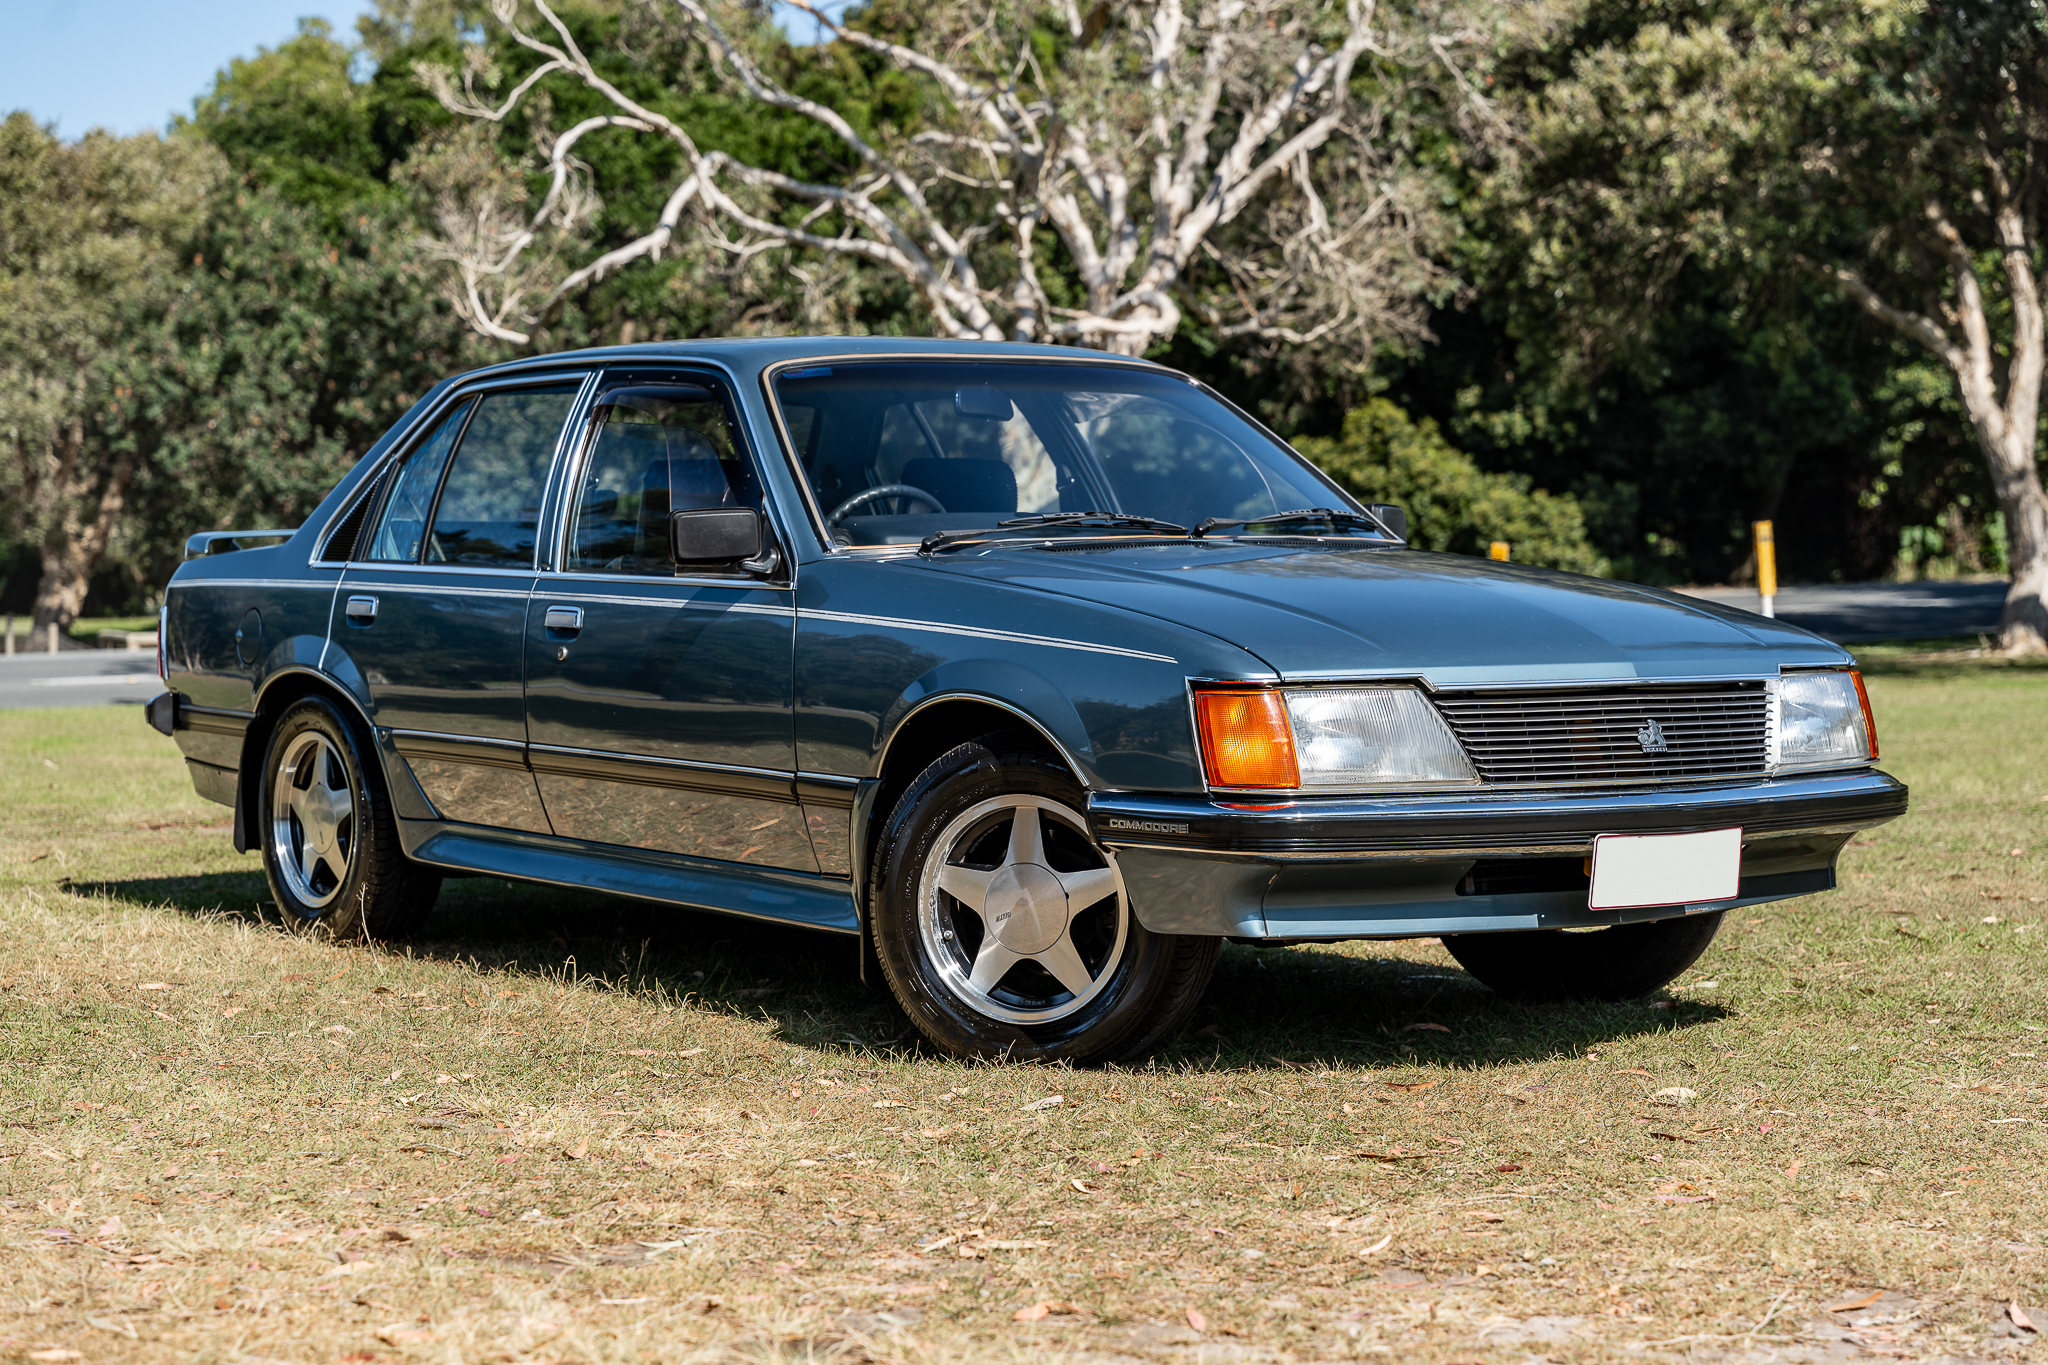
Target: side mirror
(1395, 518)
(714, 535)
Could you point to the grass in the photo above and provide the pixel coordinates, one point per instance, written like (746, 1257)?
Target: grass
(571, 1128)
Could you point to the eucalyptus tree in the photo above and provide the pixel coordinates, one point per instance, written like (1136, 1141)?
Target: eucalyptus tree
(1891, 150)
(1056, 175)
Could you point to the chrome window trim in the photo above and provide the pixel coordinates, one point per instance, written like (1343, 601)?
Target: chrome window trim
(409, 439)
(579, 454)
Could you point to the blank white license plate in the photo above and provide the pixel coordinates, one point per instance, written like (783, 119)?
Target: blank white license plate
(1631, 870)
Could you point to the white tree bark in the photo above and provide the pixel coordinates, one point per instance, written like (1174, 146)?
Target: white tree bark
(1236, 110)
(2007, 422)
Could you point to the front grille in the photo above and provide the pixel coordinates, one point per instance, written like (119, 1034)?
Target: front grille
(1595, 736)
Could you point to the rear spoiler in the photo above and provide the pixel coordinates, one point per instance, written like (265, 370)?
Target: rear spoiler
(225, 542)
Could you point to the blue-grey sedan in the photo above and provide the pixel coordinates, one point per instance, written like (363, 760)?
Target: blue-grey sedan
(1038, 673)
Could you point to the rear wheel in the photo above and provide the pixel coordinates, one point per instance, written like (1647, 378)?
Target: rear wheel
(330, 843)
(1620, 962)
(1004, 930)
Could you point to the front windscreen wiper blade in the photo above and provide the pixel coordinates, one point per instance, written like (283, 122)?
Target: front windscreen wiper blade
(1328, 516)
(1108, 521)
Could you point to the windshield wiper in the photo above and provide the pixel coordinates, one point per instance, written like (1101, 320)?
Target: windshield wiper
(1108, 521)
(1328, 516)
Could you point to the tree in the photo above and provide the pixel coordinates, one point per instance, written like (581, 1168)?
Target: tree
(1892, 150)
(92, 235)
(1385, 456)
(1088, 181)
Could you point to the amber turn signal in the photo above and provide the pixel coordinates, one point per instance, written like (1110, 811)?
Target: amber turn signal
(1246, 740)
(1869, 721)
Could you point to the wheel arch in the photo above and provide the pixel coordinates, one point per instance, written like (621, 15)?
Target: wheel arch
(279, 691)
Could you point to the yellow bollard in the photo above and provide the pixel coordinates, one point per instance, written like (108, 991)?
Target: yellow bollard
(1766, 566)
(1497, 550)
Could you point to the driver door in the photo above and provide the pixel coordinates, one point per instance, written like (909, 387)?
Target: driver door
(658, 701)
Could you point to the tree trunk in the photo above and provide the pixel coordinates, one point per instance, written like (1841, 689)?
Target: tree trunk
(2023, 628)
(71, 550)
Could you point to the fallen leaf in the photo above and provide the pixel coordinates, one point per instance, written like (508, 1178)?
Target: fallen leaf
(1033, 1313)
(890, 1104)
(938, 1242)
(1511, 1166)
(1851, 1305)
(1197, 1321)
(54, 1355)
(154, 986)
(578, 1152)
(1412, 1085)
(1084, 1187)
(1486, 1215)
(232, 1011)
(1633, 1071)
(1685, 1198)
(1049, 1102)
(400, 1334)
(112, 1227)
(643, 1052)
(1424, 1028)
(1677, 1092)
(1017, 1244)
(1381, 1245)
(1793, 1169)
(2013, 1310)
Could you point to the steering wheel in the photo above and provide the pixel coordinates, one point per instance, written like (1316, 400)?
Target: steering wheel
(876, 494)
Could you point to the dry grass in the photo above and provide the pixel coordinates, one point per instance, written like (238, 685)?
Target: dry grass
(572, 1128)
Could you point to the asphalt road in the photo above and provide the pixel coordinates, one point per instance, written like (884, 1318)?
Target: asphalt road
(1861, 613)
(1851, 613)
(79, 677)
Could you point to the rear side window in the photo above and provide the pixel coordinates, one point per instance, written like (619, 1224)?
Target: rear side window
(489, 513)
(656, 449)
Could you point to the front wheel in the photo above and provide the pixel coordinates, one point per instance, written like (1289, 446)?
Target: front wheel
(330, 842)
(1620, 962)
(1005, 931)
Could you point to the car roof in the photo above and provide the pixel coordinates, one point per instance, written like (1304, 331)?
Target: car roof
(753, 354)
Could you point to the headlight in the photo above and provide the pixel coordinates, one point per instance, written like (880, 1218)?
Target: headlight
(1325, 737)
(1824, 721)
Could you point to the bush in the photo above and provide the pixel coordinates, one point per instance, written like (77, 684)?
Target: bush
(1386, 456)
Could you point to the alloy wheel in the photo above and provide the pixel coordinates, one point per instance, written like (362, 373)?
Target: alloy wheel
(312, 819)
(1023, 915)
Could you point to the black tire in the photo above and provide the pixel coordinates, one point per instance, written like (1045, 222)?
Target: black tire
(1621, 962)
(961, 819)
(335, 873)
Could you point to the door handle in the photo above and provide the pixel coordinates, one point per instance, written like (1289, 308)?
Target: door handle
(564, 620)
(360, 611)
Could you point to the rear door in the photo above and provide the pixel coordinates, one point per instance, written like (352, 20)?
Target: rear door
(658, 700)
(433, 618)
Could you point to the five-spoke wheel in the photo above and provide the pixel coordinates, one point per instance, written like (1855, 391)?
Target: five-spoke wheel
(312, 819)
(1005, 930)
(330, 842)
(1046, 913)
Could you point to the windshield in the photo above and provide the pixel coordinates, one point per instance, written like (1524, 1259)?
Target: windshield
(896, 450)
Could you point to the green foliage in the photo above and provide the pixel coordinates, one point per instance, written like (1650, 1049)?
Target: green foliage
(1384, 455)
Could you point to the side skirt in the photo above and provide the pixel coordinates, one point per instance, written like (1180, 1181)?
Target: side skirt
(795, 898)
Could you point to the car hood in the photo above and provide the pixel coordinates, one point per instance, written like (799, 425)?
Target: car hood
(1323, 612)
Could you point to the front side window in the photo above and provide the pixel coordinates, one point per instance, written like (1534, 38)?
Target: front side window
(655, 448)
(894, 451)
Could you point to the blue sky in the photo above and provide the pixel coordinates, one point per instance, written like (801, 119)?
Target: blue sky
(129, 65)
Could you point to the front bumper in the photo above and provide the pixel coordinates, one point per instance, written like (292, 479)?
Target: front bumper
(1402, 867)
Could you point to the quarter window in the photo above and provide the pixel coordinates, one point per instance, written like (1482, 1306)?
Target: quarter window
(655, 449)
(404, 523)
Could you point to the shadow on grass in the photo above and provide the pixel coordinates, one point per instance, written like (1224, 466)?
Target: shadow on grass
(1271, 1007)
